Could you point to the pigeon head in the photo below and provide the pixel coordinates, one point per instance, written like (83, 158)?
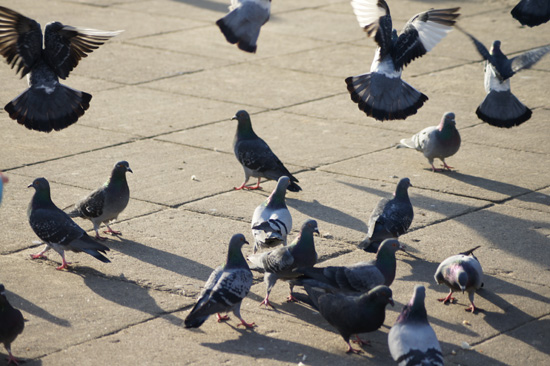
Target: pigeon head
(390, 246)
(277, 197)
(235, 256)
(402, 188)
(462, 279)
(244, 126)
(310, 227)
(447, 121)
(415, 309)
(381, 295)
(122, 167)
(385, 259)
(495, 49)
(40, 185)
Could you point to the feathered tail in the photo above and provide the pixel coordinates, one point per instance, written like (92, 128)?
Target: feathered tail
(502, 109)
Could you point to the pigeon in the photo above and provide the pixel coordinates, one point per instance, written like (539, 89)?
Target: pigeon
(353, 314)
(461, 272)
(390, 218)
(436, 141)
(256, 157)
(225, 289)
(47, 104)
(280, 263)
(271, 221)
(11, 324)
(411, 340)
(532, 12)
(3, 180)
(107, 202)
(242, 24)
(55, 228)
(500, 107)
(381, 93)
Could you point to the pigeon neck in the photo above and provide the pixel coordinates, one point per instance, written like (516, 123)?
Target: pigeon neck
(41, 198)
(386, 263)
(304, 243)
(277, 198)
(244, 130)
(235, 258)
(414, 310)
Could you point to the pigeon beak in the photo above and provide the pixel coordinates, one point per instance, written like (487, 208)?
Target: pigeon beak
(317, 231)
(246, 242)
(402, 247)
(30, 185)
(390, 300)
(234, 117)
(129, 170)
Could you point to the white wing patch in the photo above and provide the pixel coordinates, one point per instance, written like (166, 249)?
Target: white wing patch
(367, 11)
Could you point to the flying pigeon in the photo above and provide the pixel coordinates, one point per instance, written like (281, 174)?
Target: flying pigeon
(461, 272)
(242, 24)
(11, 324)
(352, 314)
(439, 141)
(55, 228)
(256, 157)
(381, 93)
(225, 289)
(390, 218)
(280, 263)
(107, 202)
(532, 12)
(500, 107)
(411, 340)
(47, 104)
(3, 180)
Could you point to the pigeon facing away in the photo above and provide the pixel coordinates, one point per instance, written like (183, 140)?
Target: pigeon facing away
(47, 104)
(461, 272)
(532, 12)
(281, 262)
(107, 202)
(55, 228)
(437, 141)
(242, 24)
(381, 93)
(11, 324)
(256, 157)
(3, 180)
(411, 340)
(271, 221)
(225, 289)
(390, 218)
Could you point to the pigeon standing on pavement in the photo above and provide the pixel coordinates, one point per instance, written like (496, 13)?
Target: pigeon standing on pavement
(439, 141)
(381, 93)
(3, 180)
(242, 24)
(107, 202)
(11, 324)
(390, 218)
(271, 221)
(55, 228)
(412, 341)
(461, 272)
(225, 289)
(47, 104)
(532, 12)
(256, 157)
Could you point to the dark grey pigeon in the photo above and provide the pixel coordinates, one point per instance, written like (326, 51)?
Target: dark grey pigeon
(381, 93)
(390, 218)
(352, 314)
(256, 157)
(105, 203)
(47, 104)
(412, 340)
(532, 12)
(461, 272)
(11, 324)
(225, 289)
(242, 24)
(55, 228)
(282, 262)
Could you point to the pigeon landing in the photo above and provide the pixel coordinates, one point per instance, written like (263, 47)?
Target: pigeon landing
(3, 180)
(47, 104)
(532, 12)
(107, 202)
(256, 157)
(381, 93)
(55, 228)
(225, 289)
(11, 324)
(242, 24)
(437, 141)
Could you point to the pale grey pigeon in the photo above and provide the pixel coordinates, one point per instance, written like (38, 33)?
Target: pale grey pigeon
(225, 289)
(381, 93)
(439, 141)
(412, 341)
(11, 324)
(532, 12)
(3, 180)
(47, 104)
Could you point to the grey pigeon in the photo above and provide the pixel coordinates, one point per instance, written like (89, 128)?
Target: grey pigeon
(47, 104)
(271, 221)
(55, 228)
(280, 263)
(3, 180)
(411, 340)
(256, 157)
(107, 202)
(390, 218)
(439, 141)
(381, 93)
(461, 272)
(353, 314)
(11, 324)
(225, 289)
(532, 12)
(242, 24)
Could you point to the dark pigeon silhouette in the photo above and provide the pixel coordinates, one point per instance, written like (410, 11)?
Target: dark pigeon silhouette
(532, 12)
(11, 324)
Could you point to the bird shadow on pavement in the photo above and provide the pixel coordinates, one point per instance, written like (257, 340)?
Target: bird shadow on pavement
(26, 306)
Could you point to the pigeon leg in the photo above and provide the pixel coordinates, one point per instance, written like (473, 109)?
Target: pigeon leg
(221, 318)
(242, 185)
(41, 254)
(446, 166)
(245, 324)
(11, 357)
(291, 298)
(434, 169)
(360, 341)
(111, 231)
(257, 186)
(266, 302)
(99, 237)
(352, 350)
(447, 298)
(64, 264)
